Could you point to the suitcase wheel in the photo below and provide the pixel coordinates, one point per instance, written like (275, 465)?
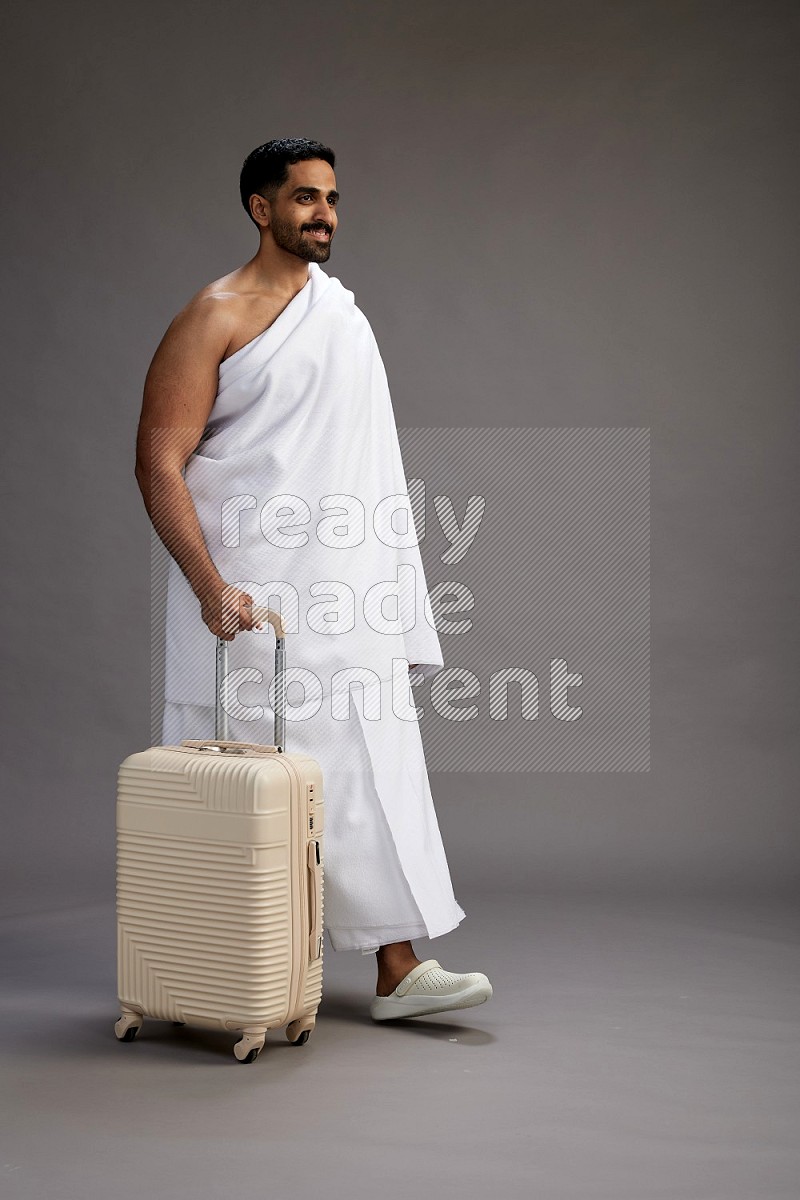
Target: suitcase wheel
(248, 1049)
(298, 1032)
(128, 1026)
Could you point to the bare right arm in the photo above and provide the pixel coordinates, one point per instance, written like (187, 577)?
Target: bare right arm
(179, 393)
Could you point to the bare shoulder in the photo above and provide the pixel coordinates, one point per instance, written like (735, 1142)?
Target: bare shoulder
(211, 314)
(224, 292)
(198, 336)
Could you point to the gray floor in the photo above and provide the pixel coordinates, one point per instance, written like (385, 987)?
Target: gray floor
(632, 1050)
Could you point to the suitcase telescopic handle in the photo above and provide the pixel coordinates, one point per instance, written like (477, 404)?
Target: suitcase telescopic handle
(221, 730)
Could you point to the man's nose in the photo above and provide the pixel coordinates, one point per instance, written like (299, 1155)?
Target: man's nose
(324, 216)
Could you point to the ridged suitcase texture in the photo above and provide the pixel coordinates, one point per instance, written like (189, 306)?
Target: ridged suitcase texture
(220, 890)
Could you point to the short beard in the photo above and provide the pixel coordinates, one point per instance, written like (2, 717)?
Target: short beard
(289, 238)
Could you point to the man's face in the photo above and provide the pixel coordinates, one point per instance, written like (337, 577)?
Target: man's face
(303, 215)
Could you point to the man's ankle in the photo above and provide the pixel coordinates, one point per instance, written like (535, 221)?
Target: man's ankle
(393, 951)
(394, 963)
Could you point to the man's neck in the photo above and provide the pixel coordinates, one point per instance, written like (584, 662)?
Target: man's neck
(275, 270)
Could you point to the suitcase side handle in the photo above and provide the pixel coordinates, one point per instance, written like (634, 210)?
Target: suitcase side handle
(231, 747)
(315, 902)
(221, 729)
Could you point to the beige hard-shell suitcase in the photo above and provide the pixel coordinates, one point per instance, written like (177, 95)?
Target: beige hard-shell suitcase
(220, 881)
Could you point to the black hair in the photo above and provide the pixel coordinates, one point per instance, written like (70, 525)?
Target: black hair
(267, 167)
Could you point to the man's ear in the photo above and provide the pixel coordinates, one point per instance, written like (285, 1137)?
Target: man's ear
(259, 208)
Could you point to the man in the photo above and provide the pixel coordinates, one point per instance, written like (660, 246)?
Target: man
(267, 392)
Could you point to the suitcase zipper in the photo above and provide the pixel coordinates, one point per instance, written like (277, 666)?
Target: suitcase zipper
(300, 960)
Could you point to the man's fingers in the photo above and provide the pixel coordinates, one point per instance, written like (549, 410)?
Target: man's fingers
(235, 613)
(245, 611)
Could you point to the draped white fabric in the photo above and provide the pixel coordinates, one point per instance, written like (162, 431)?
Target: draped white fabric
(300, 490)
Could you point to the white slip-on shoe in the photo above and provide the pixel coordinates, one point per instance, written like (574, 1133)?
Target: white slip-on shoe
(428, 988)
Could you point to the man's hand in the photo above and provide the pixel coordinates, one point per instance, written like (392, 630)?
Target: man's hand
(227, 610)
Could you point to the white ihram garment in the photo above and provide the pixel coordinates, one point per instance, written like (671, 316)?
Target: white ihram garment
(300, 491)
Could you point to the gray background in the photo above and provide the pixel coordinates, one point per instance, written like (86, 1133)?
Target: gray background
(562, 214)
(554, 215)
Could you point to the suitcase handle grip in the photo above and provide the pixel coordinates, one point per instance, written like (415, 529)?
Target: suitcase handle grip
(221, 730)
(260, 613)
